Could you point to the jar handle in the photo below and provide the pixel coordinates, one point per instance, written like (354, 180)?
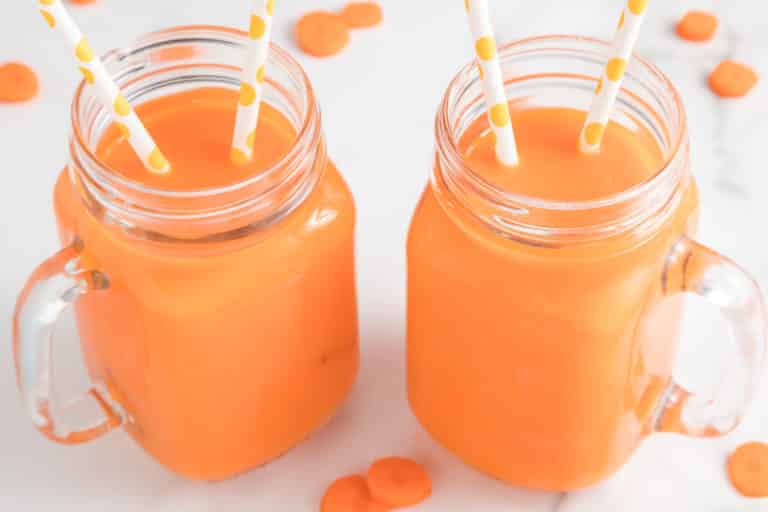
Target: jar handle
(693, 268)
(52, 288)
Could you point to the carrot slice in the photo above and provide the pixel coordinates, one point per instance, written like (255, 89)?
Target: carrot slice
(18, 82)
(731, 79)
(350, 494)
(697, 26)
(748, 469)
(321, 34)
(362, 14)
(398, 482)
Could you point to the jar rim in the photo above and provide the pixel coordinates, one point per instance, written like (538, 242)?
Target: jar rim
(309, 129)
(448, 140)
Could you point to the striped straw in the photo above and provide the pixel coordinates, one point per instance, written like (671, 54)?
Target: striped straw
(493, 81)
(252, 83)
(96, 74)
(610, 83)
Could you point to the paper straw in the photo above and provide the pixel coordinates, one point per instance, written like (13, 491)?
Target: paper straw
(108, 92)
(610, 82)
(252, 83)
(493, 81)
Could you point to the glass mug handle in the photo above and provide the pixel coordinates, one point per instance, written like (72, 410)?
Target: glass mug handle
(52, 288)
(693, 268)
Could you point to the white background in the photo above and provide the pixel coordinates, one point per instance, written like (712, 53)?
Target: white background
(389, 80)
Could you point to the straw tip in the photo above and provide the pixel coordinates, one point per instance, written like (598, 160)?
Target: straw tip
(592, 137)
(509, 164)
(157, 162)
(589, 149)
(239, 157)
(506, 153)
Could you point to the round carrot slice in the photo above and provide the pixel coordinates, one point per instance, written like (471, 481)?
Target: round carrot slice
(350, 494)
(731, 79)
(748, 469)
(321, 34)
(697, 26)
(398, 482)
(362, 14)
(18, 82)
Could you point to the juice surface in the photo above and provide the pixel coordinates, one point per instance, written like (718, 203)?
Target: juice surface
(196, 128)
(551, 164)
(542, 365)
(223, 358)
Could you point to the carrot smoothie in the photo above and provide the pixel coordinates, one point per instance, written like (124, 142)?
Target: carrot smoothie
(226, 353)
(542, 363)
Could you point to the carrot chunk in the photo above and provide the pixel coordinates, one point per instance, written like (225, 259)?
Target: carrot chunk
(748, 469)
(398, 482)
(321, 34)
(731, 79)
(362, 14)
(18, 82)
(697, 26)
(350, 494)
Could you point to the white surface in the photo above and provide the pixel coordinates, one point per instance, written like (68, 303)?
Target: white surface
(391, 78)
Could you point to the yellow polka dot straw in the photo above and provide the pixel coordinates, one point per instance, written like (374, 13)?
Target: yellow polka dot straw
(493, 81)
(108, 92)
(608, 86)
(252, 83)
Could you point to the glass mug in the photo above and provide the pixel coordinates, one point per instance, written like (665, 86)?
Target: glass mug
(218, 326)
(542, 335)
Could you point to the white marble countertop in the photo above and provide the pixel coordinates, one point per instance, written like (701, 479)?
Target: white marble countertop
(396, 75)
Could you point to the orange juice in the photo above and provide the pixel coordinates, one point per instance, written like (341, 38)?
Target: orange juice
(540, 362)
(225, 350)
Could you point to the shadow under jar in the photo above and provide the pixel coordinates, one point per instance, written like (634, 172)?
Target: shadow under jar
(219, 326)
(542, 335)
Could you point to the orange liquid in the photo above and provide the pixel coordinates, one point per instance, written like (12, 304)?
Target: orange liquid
(224, 358)
(541, 365)
(552, 167)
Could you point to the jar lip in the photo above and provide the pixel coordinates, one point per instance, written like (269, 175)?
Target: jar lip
(451, 151)
(309, 128)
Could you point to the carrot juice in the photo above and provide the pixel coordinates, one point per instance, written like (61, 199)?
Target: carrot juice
(544, 350)
(227, 358)
(215, 304)
(545, 300)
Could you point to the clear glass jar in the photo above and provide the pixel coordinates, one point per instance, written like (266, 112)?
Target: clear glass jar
(219, 326)
(542, 335)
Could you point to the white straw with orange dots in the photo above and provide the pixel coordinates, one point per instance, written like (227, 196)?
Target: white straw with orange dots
(493, 81)
(108, 92)
(252, 83)
(610, 82)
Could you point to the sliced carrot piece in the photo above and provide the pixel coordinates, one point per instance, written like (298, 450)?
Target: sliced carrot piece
(82, 2)
(731, 79)
(697, 26)
(362, 14)
(321, 34)
(350, 494)
(398, 482)
(18, 82)
(375, 506)
(748, 469)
